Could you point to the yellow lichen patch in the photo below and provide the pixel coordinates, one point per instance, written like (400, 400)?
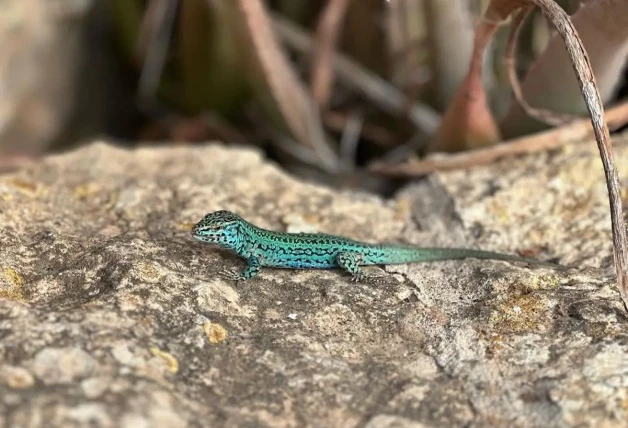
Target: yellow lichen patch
(623, 195)
(148, 273)
(402, 209)
(573, 174)
(215, 332)
(539, 234)
(545, 282)
(312, 218)
(27, 188)
(301, 223)
(14, 277)
(128, 299)
(299, 218)
(535, 283)
(19, 378)
(624, 405)
(111, 201)
(602, 330)
(169, 359)
(84, 191)
(524, 313)
(16, 284)
(186, 226)
(575, 205)
(612, 329)
(495, 344)
(499, 211)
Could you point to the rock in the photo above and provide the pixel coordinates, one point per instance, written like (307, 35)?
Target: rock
(16, 377)
(55, 76)
(111, 315)
(54, 365)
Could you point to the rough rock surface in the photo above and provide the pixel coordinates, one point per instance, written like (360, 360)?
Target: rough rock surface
(111, 315)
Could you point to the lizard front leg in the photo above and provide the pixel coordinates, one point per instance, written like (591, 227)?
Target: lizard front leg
(253, 268)
(350, 262)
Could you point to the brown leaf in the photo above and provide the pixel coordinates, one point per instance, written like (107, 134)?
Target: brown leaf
(468, 122)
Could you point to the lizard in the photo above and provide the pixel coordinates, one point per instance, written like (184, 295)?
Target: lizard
(267, 248)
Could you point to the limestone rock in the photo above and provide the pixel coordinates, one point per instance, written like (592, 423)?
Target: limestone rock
(111, 315)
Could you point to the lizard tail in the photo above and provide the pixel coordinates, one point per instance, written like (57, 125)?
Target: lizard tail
(408, 254)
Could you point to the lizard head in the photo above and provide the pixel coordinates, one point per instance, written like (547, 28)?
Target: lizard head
(219, 227)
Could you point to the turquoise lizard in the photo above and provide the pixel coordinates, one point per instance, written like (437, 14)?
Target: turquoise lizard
(265, 248)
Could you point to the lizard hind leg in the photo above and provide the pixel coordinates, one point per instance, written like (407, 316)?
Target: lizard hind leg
(350, 262)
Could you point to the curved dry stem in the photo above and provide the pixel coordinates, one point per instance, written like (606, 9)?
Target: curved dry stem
(582, 66)
(510, 60)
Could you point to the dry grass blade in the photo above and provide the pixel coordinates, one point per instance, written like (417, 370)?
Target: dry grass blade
(368, 84)
(548, 116)
(292, 99)
(405, 32)
(157, 27)
(327, 32)
(379, 135)
(547, 140)
(450, 37)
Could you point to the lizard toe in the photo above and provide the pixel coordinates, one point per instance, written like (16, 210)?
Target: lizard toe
(231, 274)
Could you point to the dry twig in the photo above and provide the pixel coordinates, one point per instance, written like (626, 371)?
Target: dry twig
(356, 78)
(547, 140)
(292, 98)
(327, 32)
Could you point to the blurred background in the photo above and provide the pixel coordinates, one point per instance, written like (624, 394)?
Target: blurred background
(327, 88)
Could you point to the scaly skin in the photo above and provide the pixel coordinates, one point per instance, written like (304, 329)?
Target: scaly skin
(265, 248)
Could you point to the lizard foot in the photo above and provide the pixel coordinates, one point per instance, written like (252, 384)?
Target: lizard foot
(370, 279)
(232, 274)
